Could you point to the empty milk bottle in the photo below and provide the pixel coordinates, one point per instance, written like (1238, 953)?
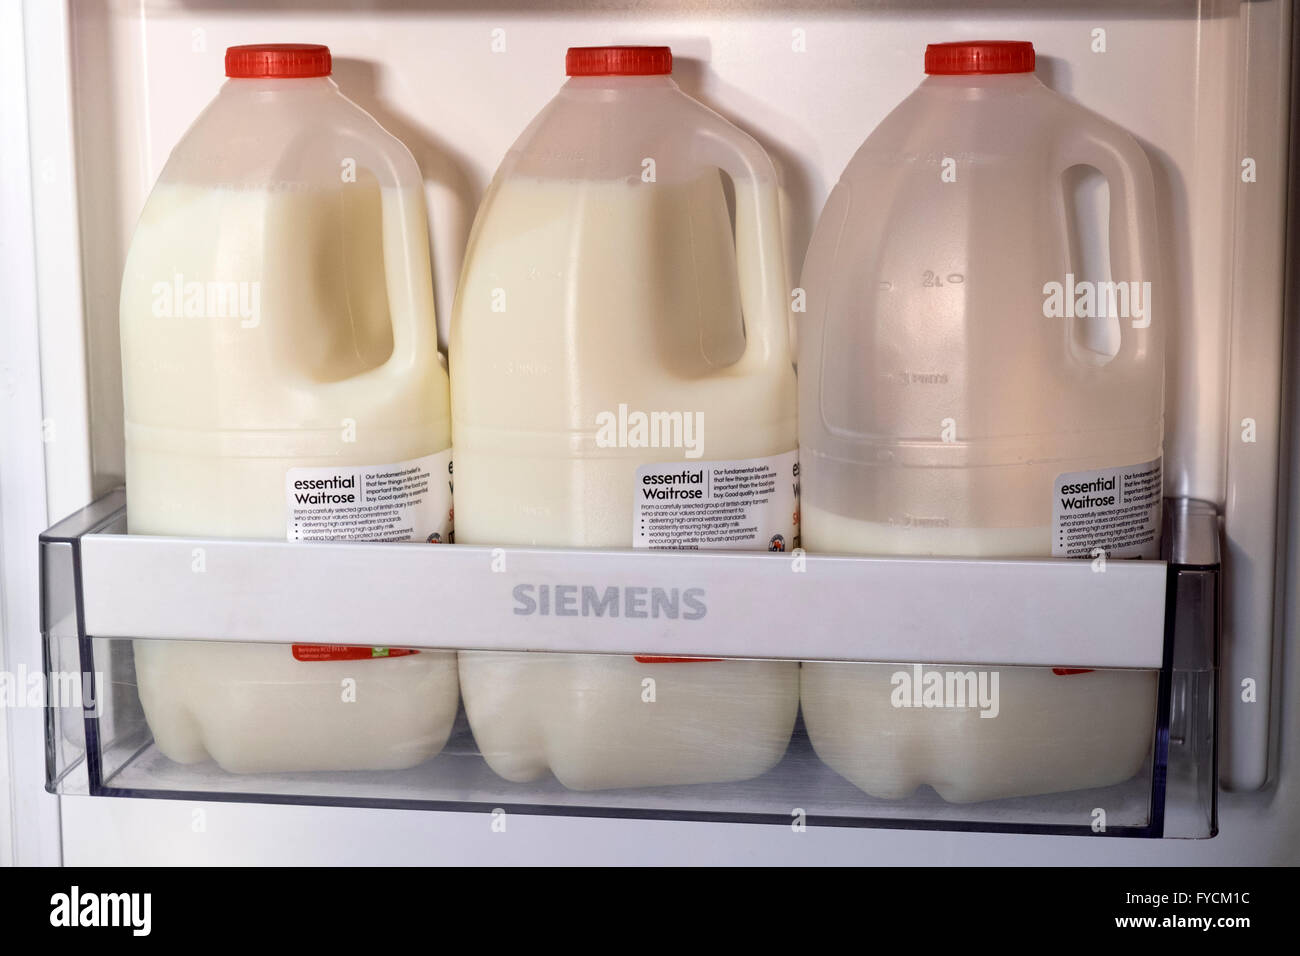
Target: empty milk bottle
(607, 393)
(952, 403)
(281, 380)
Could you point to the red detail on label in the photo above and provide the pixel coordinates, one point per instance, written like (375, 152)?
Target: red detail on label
(1067, 671)
(676, 660)
(346, 652)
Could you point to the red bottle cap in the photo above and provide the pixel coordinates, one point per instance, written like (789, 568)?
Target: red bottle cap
(618, 61)
(982, 56)
(289, 60)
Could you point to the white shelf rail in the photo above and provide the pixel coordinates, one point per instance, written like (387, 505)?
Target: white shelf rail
(717, 604)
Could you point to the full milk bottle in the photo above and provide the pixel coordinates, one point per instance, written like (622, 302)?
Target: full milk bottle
(621, 377)
(954, 400)
(281, 380)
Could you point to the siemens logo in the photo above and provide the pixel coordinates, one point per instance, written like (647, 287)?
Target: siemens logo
(573, 600)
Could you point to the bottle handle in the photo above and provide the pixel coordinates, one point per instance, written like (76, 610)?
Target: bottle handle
(760, 253)
(408, 276)
(1090, 140)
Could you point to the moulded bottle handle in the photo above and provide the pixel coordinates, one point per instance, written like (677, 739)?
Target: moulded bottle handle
(408, 277)
(1089, 140)
(760, 253)
(407, 273)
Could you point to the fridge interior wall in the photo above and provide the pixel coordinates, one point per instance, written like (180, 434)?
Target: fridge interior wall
(1202, 85)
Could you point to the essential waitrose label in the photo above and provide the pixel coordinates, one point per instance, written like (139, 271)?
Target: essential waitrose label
(1115, 509)
(404, 501)
(750, 505)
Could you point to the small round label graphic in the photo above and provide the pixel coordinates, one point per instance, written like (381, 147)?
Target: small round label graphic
(777, 543)
(434, 538)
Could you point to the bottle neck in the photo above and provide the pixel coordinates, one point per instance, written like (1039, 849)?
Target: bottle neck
(279, 85)
(603, 87)
(990, 81)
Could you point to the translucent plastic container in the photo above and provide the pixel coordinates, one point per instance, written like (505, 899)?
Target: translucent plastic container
(1043, 730)
(621, 377)
(281, 380)
(958, 397)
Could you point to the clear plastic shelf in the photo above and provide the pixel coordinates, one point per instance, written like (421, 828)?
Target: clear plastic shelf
(102, 589)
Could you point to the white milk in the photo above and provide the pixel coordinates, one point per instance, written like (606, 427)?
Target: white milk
(612, 291)
(585, 718)
(1054, 730)
(837, 534)
(1051, 732)
(302, 337)
(522, 481)
(529, 384)
(949, 406)
(255, 707)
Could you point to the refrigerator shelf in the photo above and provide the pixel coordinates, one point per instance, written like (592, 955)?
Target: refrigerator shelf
(797, 606)
(102, 589)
